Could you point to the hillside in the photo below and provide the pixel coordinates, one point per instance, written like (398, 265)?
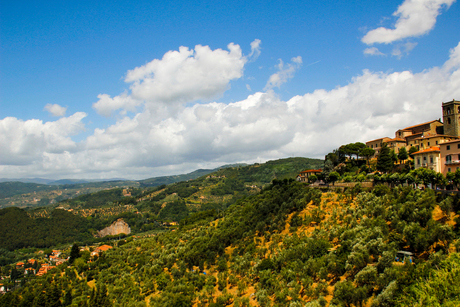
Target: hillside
(25, 193)
(288, 245)
(9, 189)
(144, 209)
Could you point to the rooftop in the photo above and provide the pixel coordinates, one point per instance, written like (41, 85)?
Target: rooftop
(431, 149)
(436, 136)
(311, 171)
(378, 139)
(415, 126)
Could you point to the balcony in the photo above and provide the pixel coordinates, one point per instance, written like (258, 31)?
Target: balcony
(450, 162)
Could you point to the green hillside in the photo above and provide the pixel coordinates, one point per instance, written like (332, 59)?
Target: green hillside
(9, 189)
(288, 245)
(145, 209)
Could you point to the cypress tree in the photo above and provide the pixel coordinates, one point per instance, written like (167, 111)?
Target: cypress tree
(74, 253)
(384, 159)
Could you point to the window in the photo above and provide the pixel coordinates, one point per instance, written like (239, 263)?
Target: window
(418, 160)
(448, 147)
(448, 159)
(448, 170)
(458, 146)
(436, 142)
(428, 143)
(448, 121)
(431, 159)
(424, 159)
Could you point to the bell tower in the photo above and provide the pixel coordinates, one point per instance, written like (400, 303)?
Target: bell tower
(451, 117)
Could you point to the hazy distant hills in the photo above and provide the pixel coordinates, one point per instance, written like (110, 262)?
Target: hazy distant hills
(24, 190)
(56, 182)
(39, 192)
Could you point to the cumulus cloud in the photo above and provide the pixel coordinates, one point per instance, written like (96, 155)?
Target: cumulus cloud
(285, 72)
(414, 18)
(260, 127)
(24, 142)
(372, 51)
(187, 75)
(55, 109)
(106, 105)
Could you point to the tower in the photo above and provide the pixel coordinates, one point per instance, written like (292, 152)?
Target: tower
(451, 117)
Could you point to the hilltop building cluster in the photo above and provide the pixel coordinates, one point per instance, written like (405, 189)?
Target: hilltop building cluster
(437, 143)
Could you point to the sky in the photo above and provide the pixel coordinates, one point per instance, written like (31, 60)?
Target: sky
(140, 89)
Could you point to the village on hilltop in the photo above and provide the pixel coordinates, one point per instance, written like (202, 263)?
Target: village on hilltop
(438, 143)
(433, 145)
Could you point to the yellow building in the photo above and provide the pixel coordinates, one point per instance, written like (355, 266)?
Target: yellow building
(429, 158)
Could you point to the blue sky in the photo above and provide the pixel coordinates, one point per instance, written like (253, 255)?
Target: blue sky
(104, 89)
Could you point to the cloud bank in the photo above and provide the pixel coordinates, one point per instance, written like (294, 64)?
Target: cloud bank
(169, 135)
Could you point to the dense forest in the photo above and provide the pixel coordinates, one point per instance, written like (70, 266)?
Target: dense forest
(19, 230)
(287, 245)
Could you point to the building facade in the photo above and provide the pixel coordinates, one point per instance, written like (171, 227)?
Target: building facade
(450, 156)
(428, 158)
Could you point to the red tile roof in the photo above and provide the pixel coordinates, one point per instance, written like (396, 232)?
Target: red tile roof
(435, 136)
(397, 140)
(311, 171)
(431, 149)
(378, 139)
(450, 142)
(412, 127)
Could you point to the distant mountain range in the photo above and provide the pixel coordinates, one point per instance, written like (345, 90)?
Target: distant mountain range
(154, 181)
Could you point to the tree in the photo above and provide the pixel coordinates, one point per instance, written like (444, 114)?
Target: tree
(384, 159)
(333, 177)
(412, 150)
(402, 154)
(312, 178)
(367, 153)
(394, 156)
(74, 253)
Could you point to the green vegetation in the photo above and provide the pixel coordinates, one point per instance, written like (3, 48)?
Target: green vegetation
(288, 245)
(19, 230)
(9, 189)
(145, 209)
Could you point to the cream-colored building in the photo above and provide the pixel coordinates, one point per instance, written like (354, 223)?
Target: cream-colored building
(377, 144)
(428, 158)
(425, 142)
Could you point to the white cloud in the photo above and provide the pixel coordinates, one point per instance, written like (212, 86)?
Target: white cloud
(106, 105)
(403, 49)
(285, 73)
(187, 75)
(55, 109)
(372, 51)
(157, 141)
(24, 142)
(255, 50)
(415, 18)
